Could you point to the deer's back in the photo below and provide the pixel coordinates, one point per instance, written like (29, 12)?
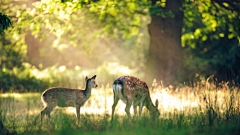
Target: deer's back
(130, 87)
(63, 97)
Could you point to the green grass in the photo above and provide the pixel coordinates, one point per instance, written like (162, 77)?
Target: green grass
(216, 111)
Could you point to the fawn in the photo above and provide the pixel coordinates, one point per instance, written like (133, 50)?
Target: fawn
(133, 91)
(65, 97)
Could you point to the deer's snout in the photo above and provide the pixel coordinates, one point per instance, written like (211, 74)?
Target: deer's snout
(96, 85)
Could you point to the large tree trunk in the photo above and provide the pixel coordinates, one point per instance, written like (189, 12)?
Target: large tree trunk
(33, 46)
(165, 51)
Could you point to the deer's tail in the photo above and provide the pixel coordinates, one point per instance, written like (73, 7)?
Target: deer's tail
(117, 87)
(43, 99)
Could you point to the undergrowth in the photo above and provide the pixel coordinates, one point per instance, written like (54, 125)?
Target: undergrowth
(202, 109)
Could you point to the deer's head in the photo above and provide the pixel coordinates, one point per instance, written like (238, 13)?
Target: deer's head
(155, 112)
(91, 81)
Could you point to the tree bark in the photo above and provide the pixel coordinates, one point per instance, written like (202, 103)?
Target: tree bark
(165, 51)
(33, 46)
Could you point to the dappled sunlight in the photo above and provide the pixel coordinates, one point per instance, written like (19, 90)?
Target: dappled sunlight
(62, 68)
(85, 73)
(34, 112)
(170, 102)
(116, 68)
(20, 95)
(56, 74)
(16, 95)
(40, 74)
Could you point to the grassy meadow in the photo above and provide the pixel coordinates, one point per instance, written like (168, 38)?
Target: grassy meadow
(202, 108)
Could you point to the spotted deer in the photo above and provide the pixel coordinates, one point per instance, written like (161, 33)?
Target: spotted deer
(133, 91)
(65, 97)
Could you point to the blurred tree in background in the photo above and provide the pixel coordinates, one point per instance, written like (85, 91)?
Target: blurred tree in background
(165, 56)
(186, 36)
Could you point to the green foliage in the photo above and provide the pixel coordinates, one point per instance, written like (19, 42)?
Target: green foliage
(73, 23)
(28, 78)
(19, 80)
(211, 37)
(10, 53)
(82, 21)
(210, 31)
(5, 22)
(12, 43)
(76, 23)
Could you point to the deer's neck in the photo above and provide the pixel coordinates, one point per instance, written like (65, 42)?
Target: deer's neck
(88, 90)
(149, 104)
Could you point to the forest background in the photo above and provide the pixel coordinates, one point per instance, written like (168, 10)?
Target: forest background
(172, 41)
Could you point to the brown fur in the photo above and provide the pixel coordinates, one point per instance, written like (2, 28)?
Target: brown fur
(133, 91)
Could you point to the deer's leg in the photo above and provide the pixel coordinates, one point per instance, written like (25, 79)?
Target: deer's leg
(127, 109)
(140, 109)
(116, 99)
(78, 113)
(47, 110)
(135, 110)
(43, 112)
(48, 113)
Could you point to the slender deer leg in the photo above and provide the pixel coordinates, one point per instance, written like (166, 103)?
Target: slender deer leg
(78, 113)
(127, 109)
(135, 110)
(49, 110)
(140, 109)
(46, 111)
(43, 112)
(116, 99)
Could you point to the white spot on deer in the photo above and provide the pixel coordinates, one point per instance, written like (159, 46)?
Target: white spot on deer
(128, 87)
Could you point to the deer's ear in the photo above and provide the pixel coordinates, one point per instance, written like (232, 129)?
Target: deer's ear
(94, 77)
(86, 78)
(156, 103)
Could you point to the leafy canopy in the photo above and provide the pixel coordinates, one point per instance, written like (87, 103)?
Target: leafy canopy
(5, 22)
